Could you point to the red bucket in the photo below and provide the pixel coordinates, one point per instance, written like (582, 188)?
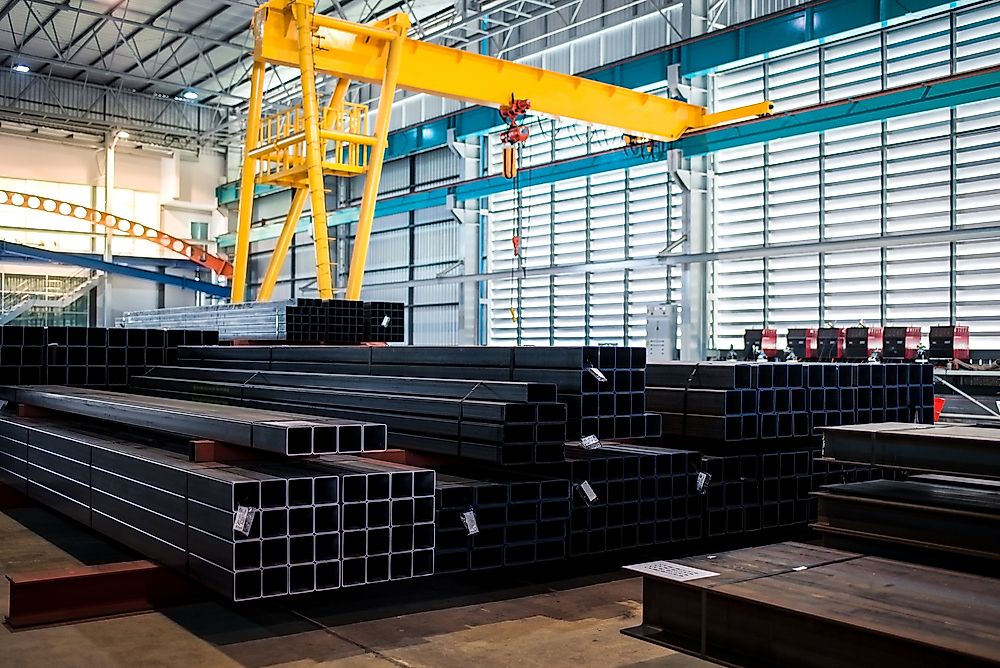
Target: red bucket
(938, 407)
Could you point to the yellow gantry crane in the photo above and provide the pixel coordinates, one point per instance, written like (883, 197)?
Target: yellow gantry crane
(300, 145)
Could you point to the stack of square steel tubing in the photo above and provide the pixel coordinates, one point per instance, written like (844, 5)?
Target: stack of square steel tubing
(727, 402)
(95, 356)
(500, 422)
(499, 519)
(317, 519)
(750, 492)
(278, 432)
(294, 320)
(627, 496)
(387, 520)
(603, 387)
(316, 524)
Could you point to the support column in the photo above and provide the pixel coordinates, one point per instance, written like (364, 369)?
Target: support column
(470, 218)
(298, 204)
(691, 174)
(282, 245)
(107, 319)
(314, 154)
(359, 255)
(241, 253)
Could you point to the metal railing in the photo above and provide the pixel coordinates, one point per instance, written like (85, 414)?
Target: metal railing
(20, 293)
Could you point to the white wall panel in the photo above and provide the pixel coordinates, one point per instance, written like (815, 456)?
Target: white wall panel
(932, 171)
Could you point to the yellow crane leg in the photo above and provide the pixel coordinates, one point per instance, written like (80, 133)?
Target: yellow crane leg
(283, 244)
(359, 255)
(314, 155)
(241, 254)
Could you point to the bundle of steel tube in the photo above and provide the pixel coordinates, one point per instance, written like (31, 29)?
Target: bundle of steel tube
(499, 518)
(502, 422)
(293, 320)
(96, 356)
(278, 432)
(726, 402)
(603, 387)
(255, 530)
(387, 519)
(628, 496)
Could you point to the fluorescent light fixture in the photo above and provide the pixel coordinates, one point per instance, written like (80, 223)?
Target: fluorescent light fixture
(21, 68)
(189, 95)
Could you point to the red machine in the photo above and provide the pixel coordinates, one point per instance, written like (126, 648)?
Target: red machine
(803, 343)
(861, 342)
(949, 343)
(900, 343)
(830, 343)
(762, 341)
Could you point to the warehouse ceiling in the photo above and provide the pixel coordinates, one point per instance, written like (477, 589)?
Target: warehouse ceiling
(177, 69)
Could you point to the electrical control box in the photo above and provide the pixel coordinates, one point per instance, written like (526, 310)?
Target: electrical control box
(661, 333)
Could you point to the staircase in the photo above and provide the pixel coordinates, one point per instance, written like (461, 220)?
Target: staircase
(44, 292)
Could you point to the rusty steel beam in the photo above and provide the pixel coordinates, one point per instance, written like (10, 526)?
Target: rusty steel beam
(86, 592)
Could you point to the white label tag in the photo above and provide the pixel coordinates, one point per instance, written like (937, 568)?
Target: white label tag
(385, 321)
(669, 570)
(590, 442)
(469, 522)
(589, 495)
(596, 373)
(244, 519)
(702, 481)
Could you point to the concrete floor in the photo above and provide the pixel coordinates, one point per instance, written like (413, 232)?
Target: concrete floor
(485, 621)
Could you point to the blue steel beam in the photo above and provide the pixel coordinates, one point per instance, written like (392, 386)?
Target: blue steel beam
(18, 251)
(973, 86)
(792, 28)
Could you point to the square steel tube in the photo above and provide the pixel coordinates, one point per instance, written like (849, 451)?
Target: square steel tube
(240, 586)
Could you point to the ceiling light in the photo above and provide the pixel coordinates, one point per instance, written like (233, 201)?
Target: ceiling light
(190, 95)
(122, 134)
(21, 68)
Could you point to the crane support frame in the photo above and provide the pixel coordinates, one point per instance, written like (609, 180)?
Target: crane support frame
(290, 33)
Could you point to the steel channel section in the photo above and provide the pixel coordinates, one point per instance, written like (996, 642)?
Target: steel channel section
(945, 518)
(766, 615)
(943, 448)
